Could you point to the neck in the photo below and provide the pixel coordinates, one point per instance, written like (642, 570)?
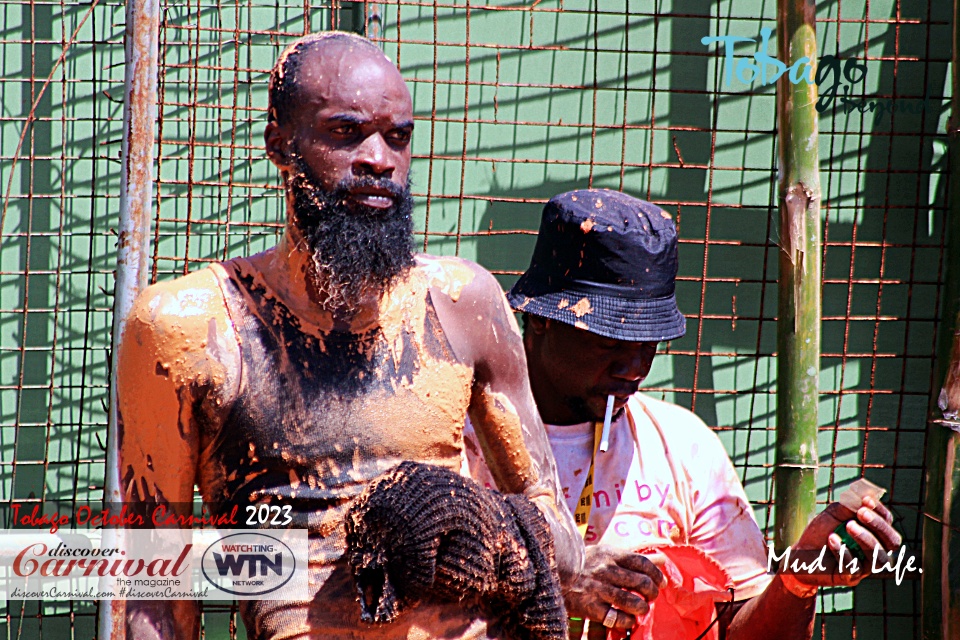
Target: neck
(289, 271)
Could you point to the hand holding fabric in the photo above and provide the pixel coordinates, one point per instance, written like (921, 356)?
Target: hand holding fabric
(623, 580)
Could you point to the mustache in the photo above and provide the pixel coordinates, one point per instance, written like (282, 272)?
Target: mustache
(617, 390)
(349, 185)
(305, 181)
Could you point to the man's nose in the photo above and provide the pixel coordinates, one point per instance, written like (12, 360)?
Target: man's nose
(631, 366)
(374, 158)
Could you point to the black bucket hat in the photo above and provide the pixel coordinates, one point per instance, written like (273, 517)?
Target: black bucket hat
(605, 262)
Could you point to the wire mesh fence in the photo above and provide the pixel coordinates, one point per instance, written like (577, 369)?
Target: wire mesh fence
(514, 102)
(60, 133)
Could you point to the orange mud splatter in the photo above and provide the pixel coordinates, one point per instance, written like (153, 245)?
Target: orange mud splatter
(507, 451)
(178, 353)
(390, 423)
(563, 304)
(665, 215)
(445, 388)
(448, 275)
(587, 225)
(251, 476)
(403, 310)
(582, 308)
(579, 324)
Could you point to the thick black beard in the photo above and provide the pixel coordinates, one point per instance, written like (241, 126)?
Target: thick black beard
(356, 250)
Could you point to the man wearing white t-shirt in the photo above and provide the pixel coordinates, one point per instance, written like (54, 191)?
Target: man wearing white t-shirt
(597, 299)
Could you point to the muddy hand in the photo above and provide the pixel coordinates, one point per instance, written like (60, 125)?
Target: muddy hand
(614, 578)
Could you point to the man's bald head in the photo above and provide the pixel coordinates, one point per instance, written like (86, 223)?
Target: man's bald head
(285, 78)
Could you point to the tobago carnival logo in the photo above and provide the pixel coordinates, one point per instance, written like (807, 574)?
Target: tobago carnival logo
(835, 78)
(248, 564)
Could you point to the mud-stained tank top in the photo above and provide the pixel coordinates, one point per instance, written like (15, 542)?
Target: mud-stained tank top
(319, 415)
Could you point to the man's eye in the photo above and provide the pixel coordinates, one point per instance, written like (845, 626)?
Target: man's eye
(399, 137)
(344, 130)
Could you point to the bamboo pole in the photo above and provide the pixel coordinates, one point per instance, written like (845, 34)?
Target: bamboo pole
(941, 543)
(141, 51)
(798, 327)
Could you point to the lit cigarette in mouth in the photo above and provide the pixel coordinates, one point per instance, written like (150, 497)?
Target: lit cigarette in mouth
(605, 434)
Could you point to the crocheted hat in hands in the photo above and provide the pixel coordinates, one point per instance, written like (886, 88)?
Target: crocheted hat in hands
(421, 531)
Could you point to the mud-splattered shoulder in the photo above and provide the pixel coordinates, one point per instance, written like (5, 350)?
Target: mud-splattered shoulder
(449, 275)
(181, 329)
(177, 366)
(466, 290)
(471, 306)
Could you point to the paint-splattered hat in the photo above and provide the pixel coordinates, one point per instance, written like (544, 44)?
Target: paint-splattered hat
(605, 262)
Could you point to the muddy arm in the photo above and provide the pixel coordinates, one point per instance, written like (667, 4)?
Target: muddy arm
(169, 368)
(505, 417)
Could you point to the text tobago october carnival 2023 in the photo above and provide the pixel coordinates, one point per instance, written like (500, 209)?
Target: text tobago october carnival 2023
(159, 515)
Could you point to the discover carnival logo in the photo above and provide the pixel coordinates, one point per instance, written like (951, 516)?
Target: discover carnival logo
(248, 564)
(154, 564)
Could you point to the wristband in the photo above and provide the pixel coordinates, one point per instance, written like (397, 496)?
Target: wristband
(575, 627)
(797, 588)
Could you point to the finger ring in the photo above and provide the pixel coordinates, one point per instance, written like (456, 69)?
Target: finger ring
(610, 619)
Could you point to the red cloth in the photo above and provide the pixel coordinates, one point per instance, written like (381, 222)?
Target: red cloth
(686, 605)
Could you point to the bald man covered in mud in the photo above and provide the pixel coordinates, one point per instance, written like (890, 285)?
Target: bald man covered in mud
(298, 375)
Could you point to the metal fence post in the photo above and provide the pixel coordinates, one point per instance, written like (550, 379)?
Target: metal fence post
(133, 242)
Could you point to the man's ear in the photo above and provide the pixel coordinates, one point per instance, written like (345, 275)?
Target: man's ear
(278, 145)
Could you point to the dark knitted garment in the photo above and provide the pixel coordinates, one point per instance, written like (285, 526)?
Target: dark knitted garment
(421, 531)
